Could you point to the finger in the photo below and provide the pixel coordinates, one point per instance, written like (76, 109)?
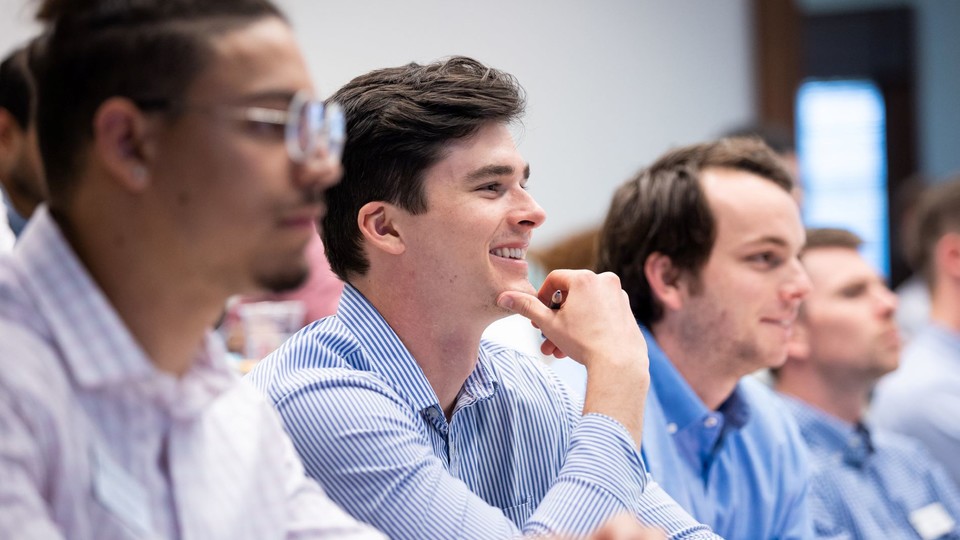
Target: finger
(557, 280)
(527, 305)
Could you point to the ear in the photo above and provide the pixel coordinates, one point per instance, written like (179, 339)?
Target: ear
(378, 224)
(119, 141)
(798, 346)
(11, 141)
(948, 255)
(664, 280)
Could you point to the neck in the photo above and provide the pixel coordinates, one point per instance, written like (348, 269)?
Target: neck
(710, 377)
(163, 301)
(441, 338)
(24, 204)
(840, 398)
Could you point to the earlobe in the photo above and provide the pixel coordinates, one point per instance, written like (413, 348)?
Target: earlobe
(378, 226)
(949, 253)
(119, 130)
(664, 280)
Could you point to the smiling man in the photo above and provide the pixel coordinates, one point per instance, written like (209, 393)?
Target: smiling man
(846, 339)
(705, 241)
(406, 417)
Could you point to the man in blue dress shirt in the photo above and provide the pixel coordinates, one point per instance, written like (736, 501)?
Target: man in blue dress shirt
(867, 483)
(921, 399)
(396, 406)
(705, 241)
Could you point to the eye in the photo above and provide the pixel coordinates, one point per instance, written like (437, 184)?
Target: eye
(492, 187)
(766, 259)
(266, 129)
(854, 291)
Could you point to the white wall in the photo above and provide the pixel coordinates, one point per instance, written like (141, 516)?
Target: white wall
(16, 24)
(610, 83)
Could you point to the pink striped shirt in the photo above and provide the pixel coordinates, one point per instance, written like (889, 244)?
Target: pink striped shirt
(96, 443)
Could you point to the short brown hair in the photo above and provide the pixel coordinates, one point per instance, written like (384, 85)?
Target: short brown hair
(144, 50)
(937, 214)
(16, 88)
(826, 237)
(663, 209)
(399, 122)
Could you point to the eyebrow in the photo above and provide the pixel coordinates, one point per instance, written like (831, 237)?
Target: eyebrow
(768, 240)
(268, 95)
(496, 170)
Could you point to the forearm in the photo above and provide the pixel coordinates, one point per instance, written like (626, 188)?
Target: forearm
(603, 475)
(618, 389)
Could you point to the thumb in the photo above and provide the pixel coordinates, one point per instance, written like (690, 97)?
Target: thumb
(527, 305)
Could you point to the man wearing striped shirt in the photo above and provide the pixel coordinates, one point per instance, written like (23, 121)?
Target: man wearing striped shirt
(172, 187)
(867, 482)
(408, 420)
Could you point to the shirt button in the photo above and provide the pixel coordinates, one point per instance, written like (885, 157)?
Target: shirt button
(671, 428)
(711, 422)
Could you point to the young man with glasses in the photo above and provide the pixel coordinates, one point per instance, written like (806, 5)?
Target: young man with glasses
(119, 417)
(407, 419)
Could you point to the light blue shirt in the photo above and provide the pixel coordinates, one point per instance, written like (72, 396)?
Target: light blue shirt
(741, 469)
(516, 455)
(868, 483)
(922, 398)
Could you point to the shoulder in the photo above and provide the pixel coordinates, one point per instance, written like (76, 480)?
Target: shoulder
(323, 351)
(770, 418)
(324, 370)
(521, 374)
(905, 449)
(30, 367)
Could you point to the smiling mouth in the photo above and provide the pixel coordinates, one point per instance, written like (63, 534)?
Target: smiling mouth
(509, 253)
(783, 323)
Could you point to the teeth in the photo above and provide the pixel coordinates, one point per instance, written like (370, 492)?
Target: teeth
(509, 253)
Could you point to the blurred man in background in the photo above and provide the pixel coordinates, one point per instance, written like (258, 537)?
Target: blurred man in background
(866, 483)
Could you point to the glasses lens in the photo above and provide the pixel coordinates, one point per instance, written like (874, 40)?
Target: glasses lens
(298, 129)
(336, 128)
(315, 127)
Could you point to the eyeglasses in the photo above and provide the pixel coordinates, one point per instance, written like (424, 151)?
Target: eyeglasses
(310, 125)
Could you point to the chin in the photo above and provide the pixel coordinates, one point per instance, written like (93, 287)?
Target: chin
(523, 286)
(284, 281)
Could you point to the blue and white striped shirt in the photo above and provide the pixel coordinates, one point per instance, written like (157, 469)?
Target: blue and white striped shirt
(517, 455)
(870, 483)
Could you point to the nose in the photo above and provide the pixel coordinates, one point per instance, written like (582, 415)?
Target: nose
(529, 214)
(886, 302)
(797, 285)
(319, 171)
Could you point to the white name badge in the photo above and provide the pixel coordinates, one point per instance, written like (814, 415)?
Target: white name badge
(121, 494)
(932, 521)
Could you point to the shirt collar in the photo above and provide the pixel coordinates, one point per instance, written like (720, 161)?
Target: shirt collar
(98, 349)
(697, 431)
(388, 356)
(944, 334)
(96, 345)
(384, 351)
(825, 432)
(682, 406)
